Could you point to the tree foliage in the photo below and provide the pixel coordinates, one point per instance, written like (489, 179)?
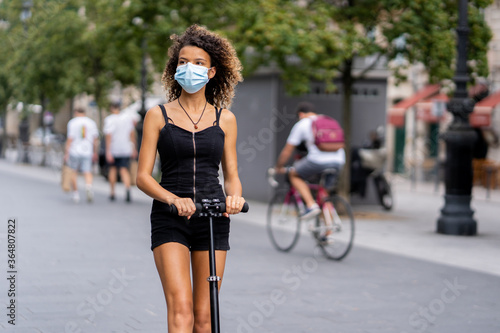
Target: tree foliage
(312, 40)
(321, 39)
(67, 47)
(85, 45)
(41, 53)
(71, 46)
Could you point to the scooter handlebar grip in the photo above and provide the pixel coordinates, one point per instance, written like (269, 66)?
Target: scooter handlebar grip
(173, 210)
(243, 210)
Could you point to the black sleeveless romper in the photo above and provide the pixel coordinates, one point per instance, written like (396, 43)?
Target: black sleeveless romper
(190, 169)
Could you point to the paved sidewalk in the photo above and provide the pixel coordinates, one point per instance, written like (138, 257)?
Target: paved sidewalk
(88, 268)
(409, 229)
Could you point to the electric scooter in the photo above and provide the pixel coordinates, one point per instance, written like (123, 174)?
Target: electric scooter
(212, 208)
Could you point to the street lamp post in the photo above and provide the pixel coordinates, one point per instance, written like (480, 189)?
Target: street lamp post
(456, 215)
(24, 127)
(138, 21)
(144, 87)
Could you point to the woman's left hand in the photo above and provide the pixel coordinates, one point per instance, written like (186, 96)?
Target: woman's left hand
(234, 204)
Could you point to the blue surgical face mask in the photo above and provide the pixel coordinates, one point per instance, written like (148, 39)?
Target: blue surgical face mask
(191, 77)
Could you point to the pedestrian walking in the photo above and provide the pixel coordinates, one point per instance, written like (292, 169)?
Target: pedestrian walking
(192, 133)
(119, 131)
(81, 151)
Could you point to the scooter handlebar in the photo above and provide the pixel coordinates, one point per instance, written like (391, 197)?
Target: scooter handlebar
(200, 207)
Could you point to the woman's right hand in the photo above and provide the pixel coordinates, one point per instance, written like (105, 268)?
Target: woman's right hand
(185, 206)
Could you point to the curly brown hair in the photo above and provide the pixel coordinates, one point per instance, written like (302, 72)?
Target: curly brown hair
(220, 89)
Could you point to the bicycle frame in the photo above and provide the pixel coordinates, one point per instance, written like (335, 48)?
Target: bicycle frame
(321, 194)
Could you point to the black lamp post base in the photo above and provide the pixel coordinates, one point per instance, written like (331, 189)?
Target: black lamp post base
(456, 216)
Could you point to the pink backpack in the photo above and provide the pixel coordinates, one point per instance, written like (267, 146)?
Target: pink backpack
(327, 133)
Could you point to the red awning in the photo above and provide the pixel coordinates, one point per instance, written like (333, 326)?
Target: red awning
(481, 117)
(396, 114)
(433, 109)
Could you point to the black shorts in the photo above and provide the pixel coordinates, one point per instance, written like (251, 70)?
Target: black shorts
(121, 162)
(193, 233)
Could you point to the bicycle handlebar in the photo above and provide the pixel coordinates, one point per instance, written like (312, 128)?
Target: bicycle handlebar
(200, 208)
(271, 177)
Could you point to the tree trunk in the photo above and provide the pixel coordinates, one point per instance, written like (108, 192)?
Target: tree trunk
(347, 84)
(43, 103)
(97, 97)
(4, 139)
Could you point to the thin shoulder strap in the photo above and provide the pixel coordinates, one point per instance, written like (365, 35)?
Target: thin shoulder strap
(164, 111)
(217, 115)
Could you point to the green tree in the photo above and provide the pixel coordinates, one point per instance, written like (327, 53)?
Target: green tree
(159, 20)
(45, 67)
(110, 52)
(39, 67)
(68, 47)
(320, 39)
(120, 34)
(6, 92)
(45, 54)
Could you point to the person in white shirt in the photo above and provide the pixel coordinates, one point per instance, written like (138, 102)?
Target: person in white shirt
(119, 130)
(81, 151)
(313, 163)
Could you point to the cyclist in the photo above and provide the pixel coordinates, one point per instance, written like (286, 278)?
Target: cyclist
(313, 164)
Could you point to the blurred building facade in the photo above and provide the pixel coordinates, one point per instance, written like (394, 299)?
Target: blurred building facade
(417, 115)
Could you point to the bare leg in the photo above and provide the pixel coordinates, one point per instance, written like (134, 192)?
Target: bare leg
(302, 187)
(172, 262)
(112, 180)
(74, 185)
(88, 178)
(201, 287)
(74, 182)
(125, 176)
(88, 186)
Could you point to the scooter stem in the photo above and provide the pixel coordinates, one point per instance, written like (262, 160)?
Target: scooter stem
(213, 280)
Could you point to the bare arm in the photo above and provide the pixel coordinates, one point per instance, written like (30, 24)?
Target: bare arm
(66, 149)
(133, 142)
(285, 155)
(232, 183)
(95, 155)
(147, 156)
(109, 156)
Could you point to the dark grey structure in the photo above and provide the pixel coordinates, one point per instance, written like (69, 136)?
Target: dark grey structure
(457, 217)
(266, 114)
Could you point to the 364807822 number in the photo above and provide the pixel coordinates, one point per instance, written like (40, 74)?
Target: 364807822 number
(11, 244)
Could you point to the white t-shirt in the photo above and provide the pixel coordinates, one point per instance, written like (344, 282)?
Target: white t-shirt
(119, 126)
(302, 131)
(83, 132)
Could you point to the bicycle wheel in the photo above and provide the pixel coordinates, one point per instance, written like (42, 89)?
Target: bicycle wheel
(384, 192)
(283, 221)
(334, 228)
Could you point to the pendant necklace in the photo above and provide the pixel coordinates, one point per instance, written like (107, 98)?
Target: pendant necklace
(195, 124)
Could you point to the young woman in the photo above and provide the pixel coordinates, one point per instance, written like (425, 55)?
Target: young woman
(193, 134)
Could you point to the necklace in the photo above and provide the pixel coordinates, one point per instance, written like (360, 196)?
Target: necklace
(195, 124)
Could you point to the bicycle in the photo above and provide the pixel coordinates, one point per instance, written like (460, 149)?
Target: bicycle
(333, 229)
